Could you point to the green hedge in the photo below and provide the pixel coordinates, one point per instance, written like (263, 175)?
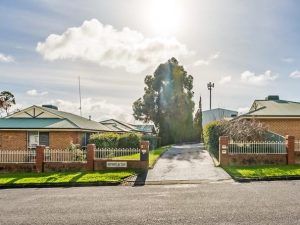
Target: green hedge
(105, 140)
(129, 140)
(211, 134)
(154, 141)
(114, 140)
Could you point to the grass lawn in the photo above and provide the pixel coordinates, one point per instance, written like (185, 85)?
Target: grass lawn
(153, 155)
(67, 177)
(263, 171)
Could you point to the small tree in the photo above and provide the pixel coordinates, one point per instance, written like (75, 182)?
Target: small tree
(198, 122)
(7, 100)
(245, 130)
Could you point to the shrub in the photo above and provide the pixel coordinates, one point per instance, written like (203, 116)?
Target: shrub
(114, 140)
(246, 130)
(105, 140)
(154, 141)
(211, 134)
(129, 140)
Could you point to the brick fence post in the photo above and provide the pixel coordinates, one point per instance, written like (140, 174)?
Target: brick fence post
(144, 153)
(223, 150)
(90, 156)
(290, 148)
(39, 158)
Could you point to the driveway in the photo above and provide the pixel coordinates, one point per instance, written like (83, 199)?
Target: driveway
(189, 162)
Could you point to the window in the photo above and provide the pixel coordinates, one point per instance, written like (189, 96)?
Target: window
(33, 139)
(85, 137)
(44, 138)
(36, 138)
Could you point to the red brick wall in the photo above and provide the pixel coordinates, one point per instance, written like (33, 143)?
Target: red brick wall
(283, 126)
(13, 140)
(64, 166)
(62, 139)
(17, 140)
(257, 159)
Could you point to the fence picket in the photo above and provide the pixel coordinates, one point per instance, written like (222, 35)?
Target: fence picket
(17, 156)
(111, 153)
(254, 147)
(59, 155)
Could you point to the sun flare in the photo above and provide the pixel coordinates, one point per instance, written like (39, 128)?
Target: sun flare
(165, 16)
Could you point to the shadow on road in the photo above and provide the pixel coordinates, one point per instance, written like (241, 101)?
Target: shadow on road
(141, 179)
(185, 152)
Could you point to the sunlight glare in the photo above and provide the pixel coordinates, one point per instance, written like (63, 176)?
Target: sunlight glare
(165, 16)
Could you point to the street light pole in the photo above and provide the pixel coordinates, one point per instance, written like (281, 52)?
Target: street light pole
(210, 86)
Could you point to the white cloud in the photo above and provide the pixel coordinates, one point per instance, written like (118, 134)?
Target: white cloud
(34, 92)
(288, 60)
(295, 74)
(98, 109)
(225, 80)
(243, 110)
(259, 80)
(208, 60)
(106, 46)
(6, 58)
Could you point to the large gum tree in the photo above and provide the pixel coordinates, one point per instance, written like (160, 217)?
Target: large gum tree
(168, 102)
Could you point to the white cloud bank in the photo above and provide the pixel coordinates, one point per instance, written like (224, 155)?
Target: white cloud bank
(225, 79)
(208, 60)
(295, 74)
(106, 46)
(34, 92)
(6, 58)
(259, 80)
(288, 60)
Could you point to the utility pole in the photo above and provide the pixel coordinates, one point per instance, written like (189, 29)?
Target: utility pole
(210, 86)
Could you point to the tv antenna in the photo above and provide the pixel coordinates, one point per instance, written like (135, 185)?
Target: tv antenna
(79, 96)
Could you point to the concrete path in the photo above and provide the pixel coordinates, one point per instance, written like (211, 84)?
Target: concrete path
(189, 162)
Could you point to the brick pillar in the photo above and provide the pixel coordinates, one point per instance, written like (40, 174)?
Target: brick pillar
(223, 150)
(144, 153)
(90, 156)
(290, 148)
(39, 158)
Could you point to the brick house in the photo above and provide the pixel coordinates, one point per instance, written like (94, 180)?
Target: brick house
(46, 125)
(281, 116)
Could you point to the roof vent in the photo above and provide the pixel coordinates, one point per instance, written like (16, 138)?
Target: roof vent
(272, 97)
(50, 106)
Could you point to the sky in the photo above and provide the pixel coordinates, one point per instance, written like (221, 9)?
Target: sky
(249, 49)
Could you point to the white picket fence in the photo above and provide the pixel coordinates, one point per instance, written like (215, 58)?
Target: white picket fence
(17, 156)
(111, 153)
(61, 155)
(267, 147)
(297, 145)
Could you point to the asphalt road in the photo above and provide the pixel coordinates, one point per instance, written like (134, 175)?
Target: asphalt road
(189, 162)
(207, 203)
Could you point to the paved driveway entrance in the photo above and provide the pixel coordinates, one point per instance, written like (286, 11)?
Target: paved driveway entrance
(189, 162)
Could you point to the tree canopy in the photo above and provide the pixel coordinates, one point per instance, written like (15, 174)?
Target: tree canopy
(167, 102)
(7, 100)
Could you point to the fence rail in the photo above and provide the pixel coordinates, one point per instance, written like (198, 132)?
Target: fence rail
(17, 156)
(117, 153)
(257, 148)
(297, 145)
(60, 155)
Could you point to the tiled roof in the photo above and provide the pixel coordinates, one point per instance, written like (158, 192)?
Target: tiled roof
(58, 120)
(274, 108)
